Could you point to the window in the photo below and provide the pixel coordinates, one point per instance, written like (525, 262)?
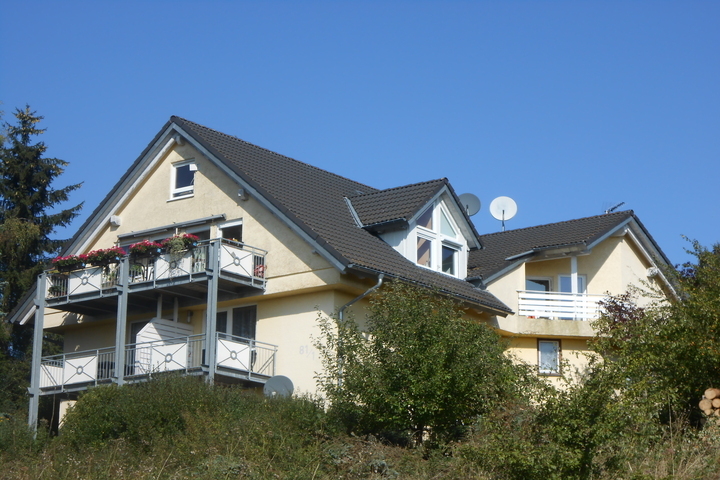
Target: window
(438, 245)
(424, 252)
(549, 357)
(537, 284)
(182, 179)
(232, 231)
(239, 322)
(566, 283)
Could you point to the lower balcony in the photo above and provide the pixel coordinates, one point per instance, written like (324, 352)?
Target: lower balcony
(237, 358)
(558, 305)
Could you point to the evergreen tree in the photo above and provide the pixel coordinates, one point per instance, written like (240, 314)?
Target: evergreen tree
(28, 217)
(26, 201)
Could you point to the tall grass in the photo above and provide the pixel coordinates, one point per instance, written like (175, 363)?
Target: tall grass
(182, 428)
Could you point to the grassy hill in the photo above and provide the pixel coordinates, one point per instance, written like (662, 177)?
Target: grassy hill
(178, 428)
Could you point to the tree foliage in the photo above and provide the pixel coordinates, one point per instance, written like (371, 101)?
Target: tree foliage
(669, 352)
(28, 217)
(421, 368)
(27, 206)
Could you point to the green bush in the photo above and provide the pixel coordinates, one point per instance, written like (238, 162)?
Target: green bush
(136, 413)
(421, 370)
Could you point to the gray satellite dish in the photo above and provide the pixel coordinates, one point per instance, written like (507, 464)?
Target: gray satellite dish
(279, 385)
(471, 203)
(503, 208)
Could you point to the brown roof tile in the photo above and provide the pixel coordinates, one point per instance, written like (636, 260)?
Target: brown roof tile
(503, 245)
(395, 204)
(315, 200)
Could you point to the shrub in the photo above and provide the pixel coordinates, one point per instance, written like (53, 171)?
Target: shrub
(423, 370)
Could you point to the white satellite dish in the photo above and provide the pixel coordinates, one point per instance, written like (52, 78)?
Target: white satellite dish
(470, 202)
(503, 208)
(278, 386)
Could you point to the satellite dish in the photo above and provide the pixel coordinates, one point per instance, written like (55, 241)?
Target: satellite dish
(471, 203)
(278, 386)
(503, 208)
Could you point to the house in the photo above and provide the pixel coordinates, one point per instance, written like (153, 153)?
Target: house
(553, 276)
(275, 242)
(279, 242)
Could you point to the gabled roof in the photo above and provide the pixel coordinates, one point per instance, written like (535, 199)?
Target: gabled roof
(504, 250)
(314, 200)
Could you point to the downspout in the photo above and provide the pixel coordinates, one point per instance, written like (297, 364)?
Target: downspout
(341, 319)
(369, 291)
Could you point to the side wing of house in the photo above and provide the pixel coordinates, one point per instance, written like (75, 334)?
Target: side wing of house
(554, 276)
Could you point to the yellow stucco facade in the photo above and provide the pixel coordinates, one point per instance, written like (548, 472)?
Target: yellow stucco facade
(301, 284)
(613, 266)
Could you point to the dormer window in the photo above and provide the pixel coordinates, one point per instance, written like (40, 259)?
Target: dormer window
(182, 179)
(438, 242)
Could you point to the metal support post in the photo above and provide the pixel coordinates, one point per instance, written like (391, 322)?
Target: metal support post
(123, 292)
(212, 297)
(34, 389)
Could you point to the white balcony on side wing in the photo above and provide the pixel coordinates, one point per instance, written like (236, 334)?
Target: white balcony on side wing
(237, 358)
(558, 305)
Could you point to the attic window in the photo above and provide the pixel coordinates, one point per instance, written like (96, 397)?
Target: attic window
(182, 179)
(438, 246)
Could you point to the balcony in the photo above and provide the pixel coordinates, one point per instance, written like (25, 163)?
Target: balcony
(558, 305)
(237, 359)
(94, 290)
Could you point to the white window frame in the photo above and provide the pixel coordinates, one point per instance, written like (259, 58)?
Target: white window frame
(177, 193)
(557, 361)
(439, 240)
(229, 224)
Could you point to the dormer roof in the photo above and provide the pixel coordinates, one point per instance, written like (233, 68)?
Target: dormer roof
(394, 205)
(394, 208)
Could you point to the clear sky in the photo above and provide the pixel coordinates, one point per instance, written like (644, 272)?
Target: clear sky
(567, 107)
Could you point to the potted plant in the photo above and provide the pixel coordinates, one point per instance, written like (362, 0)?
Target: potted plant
(68, 263)
(180, 243)
(106, 256)
(146, 248)
(56, 290)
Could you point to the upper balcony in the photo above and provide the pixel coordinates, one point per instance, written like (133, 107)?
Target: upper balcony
(94, 290)
(558, 305)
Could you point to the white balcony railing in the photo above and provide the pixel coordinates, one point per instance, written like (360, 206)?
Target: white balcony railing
(236, 356)
(237, 261)
(88, 367)
(557, 305)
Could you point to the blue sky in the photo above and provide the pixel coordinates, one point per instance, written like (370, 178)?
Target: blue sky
(567, 107)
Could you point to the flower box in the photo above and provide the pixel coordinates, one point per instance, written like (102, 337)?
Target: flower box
(69, 263)
(146, 248)
(180, 243)
(106, 256)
